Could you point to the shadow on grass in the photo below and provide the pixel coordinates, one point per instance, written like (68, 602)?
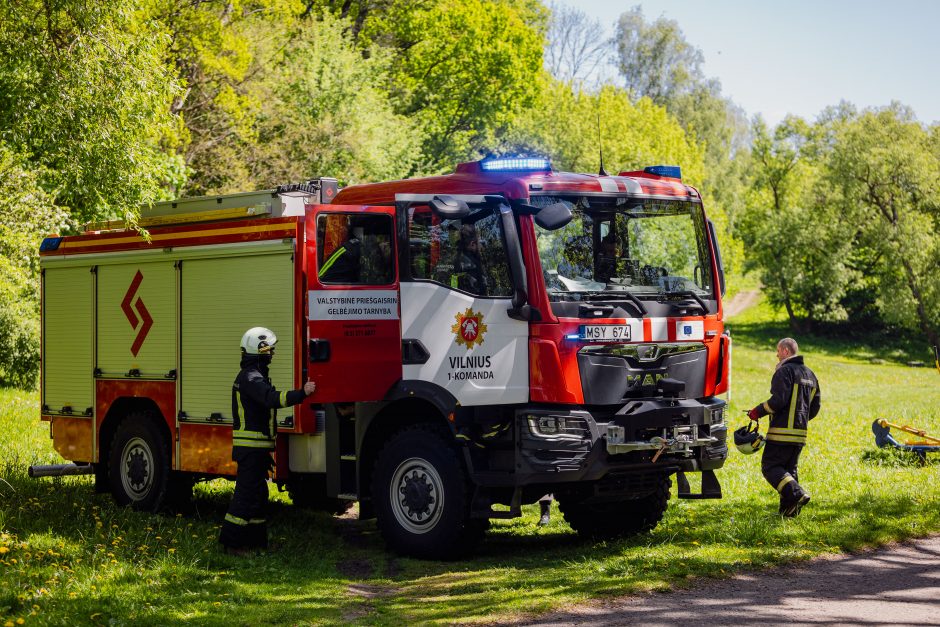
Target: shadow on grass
(898, 458)
(157, 569)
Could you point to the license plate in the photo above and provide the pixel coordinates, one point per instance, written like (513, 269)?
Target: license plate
(605, 332)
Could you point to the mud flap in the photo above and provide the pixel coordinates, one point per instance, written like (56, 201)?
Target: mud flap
(711, 489)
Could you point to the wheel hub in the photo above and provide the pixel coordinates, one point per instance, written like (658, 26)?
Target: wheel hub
(416, 495)
(137, 477)
(137, 468)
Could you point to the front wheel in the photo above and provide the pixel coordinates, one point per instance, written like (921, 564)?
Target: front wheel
(139, 464)
(422, 496)
(617, 519)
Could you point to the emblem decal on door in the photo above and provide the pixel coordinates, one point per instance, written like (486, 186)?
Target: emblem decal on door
(128, 305)
(469, 328)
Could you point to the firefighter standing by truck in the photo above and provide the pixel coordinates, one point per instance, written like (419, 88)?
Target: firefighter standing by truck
(794, 401)
(254, 407)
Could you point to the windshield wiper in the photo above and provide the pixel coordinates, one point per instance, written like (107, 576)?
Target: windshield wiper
(682, 303)
(615, 296)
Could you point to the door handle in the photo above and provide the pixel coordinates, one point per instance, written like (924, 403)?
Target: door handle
(319, 350)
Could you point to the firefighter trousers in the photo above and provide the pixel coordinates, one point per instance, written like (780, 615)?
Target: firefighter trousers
(246, 524)
(778, 465)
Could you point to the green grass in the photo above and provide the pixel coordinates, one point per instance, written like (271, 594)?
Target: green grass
(73, 557)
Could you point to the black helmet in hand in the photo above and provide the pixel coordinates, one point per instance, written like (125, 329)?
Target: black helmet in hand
(748, 439)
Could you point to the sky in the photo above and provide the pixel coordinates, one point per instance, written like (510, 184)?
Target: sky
(796, 56)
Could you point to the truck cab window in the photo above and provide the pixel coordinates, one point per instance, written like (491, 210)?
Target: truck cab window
(467, 254)
(355, 249)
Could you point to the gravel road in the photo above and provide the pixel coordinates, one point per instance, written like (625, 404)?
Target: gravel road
(896, 585)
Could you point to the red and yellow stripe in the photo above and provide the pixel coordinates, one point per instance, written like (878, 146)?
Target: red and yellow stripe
(178, 236)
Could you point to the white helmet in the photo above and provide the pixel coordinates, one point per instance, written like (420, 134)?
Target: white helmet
(258, 341)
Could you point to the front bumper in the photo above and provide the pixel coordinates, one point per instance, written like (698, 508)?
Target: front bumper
(557, 445)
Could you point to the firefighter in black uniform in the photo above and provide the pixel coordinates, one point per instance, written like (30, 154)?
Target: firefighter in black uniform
(254, 408)
(794, 401)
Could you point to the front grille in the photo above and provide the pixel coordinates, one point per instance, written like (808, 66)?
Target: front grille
(612, 374)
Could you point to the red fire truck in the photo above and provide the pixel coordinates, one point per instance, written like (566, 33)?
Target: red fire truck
(478, 339)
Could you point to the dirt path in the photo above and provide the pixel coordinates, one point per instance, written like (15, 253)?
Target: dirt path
(741, 301)
(897, 585)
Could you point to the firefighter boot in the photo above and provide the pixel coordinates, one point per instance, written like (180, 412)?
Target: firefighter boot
(792, 499)
(546, 515)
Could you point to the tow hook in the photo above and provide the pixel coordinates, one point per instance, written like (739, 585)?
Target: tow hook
(682, 439)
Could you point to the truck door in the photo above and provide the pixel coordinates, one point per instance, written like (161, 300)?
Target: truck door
(353, 317)
(456, 307)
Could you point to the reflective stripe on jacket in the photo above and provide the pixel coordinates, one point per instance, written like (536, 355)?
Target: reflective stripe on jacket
(794, 401)
(254, 407)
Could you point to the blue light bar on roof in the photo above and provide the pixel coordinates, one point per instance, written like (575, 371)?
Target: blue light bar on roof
(671, 171)
(519, 164)
(50, 243)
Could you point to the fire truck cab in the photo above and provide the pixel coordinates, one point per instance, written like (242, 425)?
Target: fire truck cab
(479, 339)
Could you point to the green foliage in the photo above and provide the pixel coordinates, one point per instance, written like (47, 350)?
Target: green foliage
(801, 251)
(27, 214)
(84, 98)
(462, 90)
(212, 54)
(564, 126)
(843, 218)
(655, 60)
(888, 169)
(325, 112)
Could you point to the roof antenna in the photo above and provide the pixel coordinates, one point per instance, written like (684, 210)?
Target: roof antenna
(600, 147)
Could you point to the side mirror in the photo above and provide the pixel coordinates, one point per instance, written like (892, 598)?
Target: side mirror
(449, 208)
(554, 216)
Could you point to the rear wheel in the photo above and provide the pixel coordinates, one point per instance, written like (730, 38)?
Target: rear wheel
(139, 463)
(617, 519)
(422, 496)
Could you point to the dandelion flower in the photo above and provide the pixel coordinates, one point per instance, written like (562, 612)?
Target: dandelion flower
(4, 550)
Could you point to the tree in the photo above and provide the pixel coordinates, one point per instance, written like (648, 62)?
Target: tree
(212, 53)
(573, 51)
(887, 165)
(654, 59)
(324, 111)
(27, 214)
(799, 243)
(85, 100)
(564, 127)
(462, 69)
(85, 112)
(843, 221)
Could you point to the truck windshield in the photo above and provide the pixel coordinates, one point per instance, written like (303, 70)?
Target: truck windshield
(617, 244)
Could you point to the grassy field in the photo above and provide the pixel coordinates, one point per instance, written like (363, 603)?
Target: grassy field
(69, 556)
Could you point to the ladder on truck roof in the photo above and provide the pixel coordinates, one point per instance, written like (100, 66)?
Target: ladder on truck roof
(285, 200)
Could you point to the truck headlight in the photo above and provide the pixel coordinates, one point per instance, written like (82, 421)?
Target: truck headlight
(547, 425)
